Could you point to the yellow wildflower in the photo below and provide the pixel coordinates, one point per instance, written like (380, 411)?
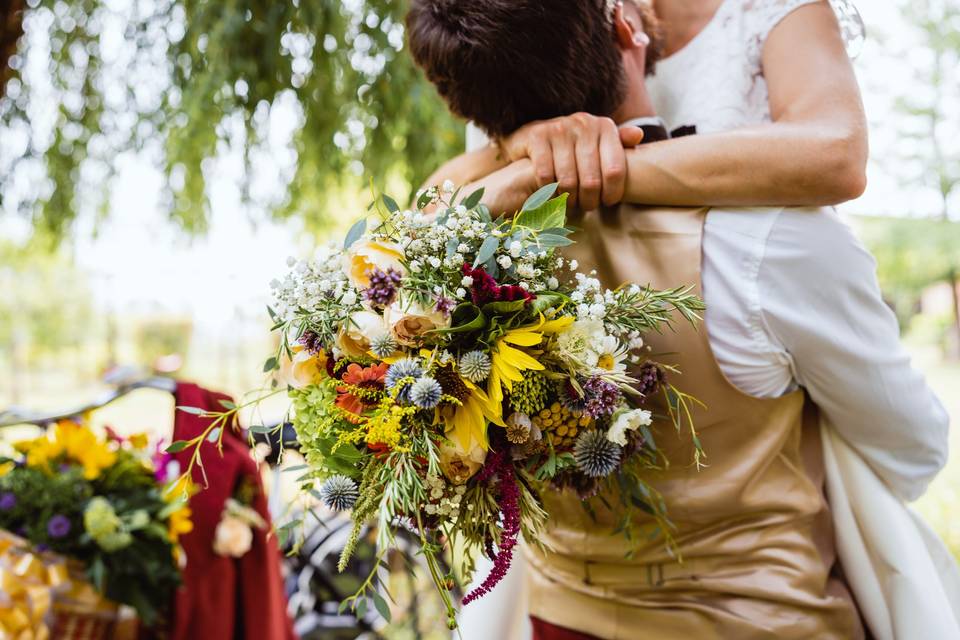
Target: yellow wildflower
(6, 468)
(139, 441)
(179, 523)
(385, 426)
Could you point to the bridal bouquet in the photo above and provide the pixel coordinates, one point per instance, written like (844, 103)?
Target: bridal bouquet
(101, 503)
(446, 368)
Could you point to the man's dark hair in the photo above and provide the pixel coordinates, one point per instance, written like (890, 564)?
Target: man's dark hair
(504, 63)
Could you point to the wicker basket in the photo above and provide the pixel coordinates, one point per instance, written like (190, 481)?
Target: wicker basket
(79, 622)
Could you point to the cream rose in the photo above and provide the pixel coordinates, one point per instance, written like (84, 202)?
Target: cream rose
(409, 321)
(233, 537)
(365, 254)
(459, 465)
(305, 368)
(363, 326)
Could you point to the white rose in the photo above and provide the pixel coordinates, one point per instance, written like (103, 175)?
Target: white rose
(233, 537)
(628, 421)
(357, 333)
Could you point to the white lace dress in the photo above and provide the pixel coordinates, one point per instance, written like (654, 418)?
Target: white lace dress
(716, 81)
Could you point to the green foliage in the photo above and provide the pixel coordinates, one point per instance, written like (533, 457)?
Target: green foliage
(192, 80)
(142, 573)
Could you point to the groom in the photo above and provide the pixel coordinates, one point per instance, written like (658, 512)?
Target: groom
(795, 325)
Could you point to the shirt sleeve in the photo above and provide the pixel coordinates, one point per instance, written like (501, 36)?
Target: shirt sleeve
(762, 16)
(820, 299)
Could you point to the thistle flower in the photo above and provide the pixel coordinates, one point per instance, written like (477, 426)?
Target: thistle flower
(8, 500)
(339, 493)
(383, 286)
(383, 345)
(398, 378)
(475, 366)
(426, 393)
(595, 455)
(601, 397)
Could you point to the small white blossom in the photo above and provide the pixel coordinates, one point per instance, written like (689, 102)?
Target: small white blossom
(463, 247)
(552, 282)
(447, 186)
(505, 261)
(466, 281)
(291, 261)
(349, 298)
(524, 285)
(515, 248)
(573, 265)
(434, 261)
(415, 265)
(461, 292)
(460, 209)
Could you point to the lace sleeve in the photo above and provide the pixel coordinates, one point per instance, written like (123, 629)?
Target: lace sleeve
(762, 17)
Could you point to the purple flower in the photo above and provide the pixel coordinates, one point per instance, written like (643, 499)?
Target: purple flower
(7, 501)
(311, 341)
(58, 526)
(383, 286)
(444, 305)
(600, 397)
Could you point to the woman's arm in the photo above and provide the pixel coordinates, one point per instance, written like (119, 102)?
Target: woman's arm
(813, 153)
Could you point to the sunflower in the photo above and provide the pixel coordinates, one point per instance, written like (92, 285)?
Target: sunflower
(466, 423)
(509, 362)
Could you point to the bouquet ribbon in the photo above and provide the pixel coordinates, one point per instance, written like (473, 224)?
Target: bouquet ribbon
(29, 582)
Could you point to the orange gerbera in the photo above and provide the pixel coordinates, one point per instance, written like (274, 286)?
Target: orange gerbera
(360, 386)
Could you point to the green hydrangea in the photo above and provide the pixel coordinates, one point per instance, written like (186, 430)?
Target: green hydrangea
(103, 524)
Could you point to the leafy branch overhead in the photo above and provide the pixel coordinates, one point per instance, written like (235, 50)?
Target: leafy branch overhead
(183, 82)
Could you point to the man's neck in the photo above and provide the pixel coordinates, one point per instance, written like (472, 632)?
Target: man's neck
(637, 104)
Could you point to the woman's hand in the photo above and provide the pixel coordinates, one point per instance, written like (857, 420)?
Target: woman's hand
(582, 152)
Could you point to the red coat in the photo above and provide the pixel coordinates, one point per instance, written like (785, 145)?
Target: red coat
(224, 598)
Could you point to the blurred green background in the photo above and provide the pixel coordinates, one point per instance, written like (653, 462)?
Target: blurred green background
(160, 159)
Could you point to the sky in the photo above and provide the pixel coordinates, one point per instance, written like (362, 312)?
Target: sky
(139, 262)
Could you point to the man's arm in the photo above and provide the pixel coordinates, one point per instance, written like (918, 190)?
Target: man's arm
(813, 153)
(820, 299)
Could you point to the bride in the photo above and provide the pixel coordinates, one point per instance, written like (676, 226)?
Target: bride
(767, 87)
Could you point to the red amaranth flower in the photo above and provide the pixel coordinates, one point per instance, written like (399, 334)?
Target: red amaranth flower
(510, 509)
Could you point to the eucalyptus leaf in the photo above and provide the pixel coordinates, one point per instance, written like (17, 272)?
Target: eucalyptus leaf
(452, 245)
(390, 203)
(177, 446)
(540, 196)
(473, 199)
(550, 241)
(487, 249)
(270, 365)
(550, 214)
(355, 232)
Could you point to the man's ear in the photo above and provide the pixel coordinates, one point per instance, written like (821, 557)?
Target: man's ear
(629, 34)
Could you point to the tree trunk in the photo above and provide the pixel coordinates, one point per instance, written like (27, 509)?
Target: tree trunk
(953, 339)
(11, 28)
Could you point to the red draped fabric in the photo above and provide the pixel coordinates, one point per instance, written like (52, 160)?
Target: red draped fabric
(546, 631)
(225, 598)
